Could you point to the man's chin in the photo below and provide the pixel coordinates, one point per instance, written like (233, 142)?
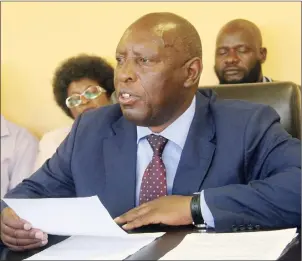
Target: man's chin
(135, 116)
(231, 82)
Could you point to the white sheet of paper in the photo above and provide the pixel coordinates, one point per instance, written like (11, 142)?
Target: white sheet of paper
(67, 216)
(96, 248)
(232, 246)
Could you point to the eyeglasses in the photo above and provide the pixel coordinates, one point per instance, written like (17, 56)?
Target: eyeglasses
(90, 93)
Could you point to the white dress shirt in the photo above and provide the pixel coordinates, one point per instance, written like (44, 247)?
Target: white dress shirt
(49, 143)
(19, 150)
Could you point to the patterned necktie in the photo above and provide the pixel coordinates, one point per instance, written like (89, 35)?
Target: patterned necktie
(154, 182)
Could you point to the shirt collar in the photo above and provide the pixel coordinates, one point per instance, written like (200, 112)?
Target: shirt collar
(266, 79)
(4, 128)
(180, 125)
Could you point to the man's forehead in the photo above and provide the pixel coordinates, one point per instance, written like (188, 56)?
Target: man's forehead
(235, 37)
(140, 39)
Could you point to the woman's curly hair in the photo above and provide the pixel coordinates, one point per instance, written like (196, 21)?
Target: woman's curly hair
(79, 67)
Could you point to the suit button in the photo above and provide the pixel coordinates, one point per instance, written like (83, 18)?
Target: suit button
(250, 227)
(234, 228)
(241, 227)
(257, 227)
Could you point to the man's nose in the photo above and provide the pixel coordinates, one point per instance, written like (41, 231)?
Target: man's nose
(126, 72)
(232, 58)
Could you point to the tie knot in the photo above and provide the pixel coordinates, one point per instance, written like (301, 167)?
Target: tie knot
(157, 143)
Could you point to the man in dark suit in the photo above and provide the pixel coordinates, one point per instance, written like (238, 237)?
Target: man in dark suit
(239, 53)
(147, 156)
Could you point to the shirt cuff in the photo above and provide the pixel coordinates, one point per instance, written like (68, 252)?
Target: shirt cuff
(206, 212)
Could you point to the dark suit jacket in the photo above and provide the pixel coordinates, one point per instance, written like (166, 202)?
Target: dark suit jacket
(236, 151)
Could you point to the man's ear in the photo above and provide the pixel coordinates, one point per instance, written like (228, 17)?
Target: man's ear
(263, 54)
(194, 69)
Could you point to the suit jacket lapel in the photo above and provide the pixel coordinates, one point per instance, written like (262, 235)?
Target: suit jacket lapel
(120, 167)
(198, 151)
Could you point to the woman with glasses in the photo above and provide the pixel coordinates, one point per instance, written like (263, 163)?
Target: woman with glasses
(80, 84)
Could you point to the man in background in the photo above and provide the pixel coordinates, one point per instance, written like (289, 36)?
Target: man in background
(239, 53)
(18, 154)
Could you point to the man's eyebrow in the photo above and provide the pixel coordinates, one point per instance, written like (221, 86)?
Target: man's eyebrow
(120, 52)
(142, 49)
(233, 46)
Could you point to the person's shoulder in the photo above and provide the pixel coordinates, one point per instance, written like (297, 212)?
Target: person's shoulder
(239, 106)
(19, 133)
(239, 119)
(242, 110)
(97, 122)
(94, 125)
(57, 135)
(231, 106)
(237, 113)
(106, 115)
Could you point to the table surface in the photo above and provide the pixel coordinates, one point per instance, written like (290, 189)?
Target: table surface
(159, 247)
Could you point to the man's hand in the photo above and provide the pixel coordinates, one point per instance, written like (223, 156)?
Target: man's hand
(18, 234)
(168, 210)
